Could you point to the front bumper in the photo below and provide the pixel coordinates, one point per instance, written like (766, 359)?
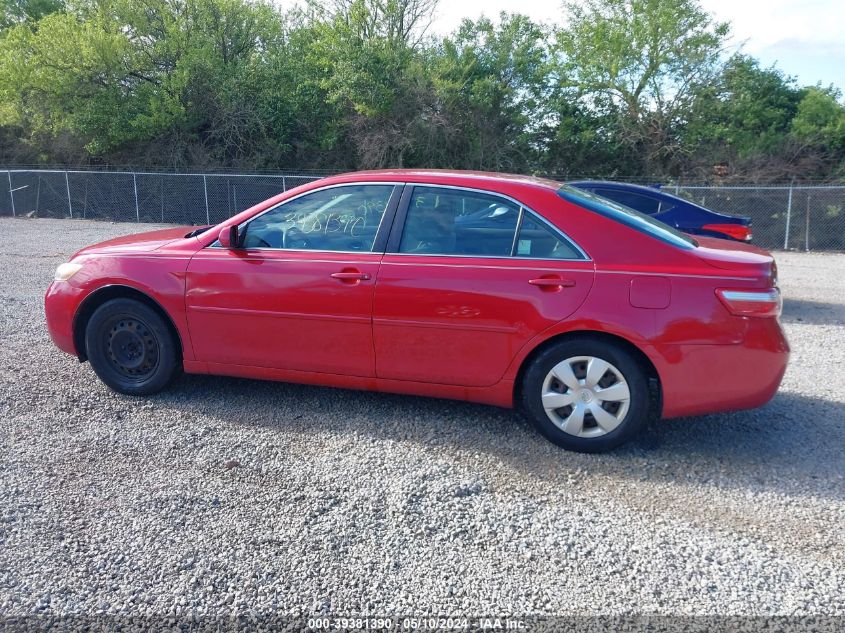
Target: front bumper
(61, 303)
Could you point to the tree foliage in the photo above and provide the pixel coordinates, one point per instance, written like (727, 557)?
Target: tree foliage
(625, 88)
(20, 11)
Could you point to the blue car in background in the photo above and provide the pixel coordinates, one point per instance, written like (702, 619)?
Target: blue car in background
(674, 211)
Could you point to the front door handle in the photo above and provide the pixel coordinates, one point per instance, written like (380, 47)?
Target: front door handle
(351, 275)
(552, 282)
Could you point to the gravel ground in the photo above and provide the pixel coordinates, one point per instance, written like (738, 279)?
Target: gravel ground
(232, 497)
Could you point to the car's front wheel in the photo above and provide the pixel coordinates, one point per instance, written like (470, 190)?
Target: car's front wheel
(586, 395)
(131, 347)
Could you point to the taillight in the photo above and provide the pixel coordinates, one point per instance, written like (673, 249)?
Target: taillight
(753, 303)
(736, 231)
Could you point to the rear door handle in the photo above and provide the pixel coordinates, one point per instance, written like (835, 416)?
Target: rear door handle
(552, 282)
(351, 276)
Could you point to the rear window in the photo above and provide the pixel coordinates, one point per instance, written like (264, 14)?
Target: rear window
(635, 201)
(636, 220)
(638, 201)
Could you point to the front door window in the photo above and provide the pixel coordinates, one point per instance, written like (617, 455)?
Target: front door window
(344, 218)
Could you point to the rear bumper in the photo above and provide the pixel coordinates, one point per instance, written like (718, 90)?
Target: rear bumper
(60, 305)
(698, 379)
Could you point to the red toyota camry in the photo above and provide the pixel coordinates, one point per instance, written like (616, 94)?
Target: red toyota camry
(506, 290)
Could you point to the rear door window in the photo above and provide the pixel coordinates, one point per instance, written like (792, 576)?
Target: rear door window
(443, 221)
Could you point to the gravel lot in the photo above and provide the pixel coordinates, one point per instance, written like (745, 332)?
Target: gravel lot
(226, 496)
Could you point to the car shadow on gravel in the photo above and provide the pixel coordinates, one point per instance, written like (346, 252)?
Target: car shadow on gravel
(791, 446)
(813, 312)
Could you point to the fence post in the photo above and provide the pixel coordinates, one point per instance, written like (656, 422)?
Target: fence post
(69, 203)
(205, 189)
(807, 227)
(229, 198)
(135, 186)
(788, 218)
(284, 184)
(11, 192)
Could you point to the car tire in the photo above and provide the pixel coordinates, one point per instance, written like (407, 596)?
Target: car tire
(131, 347)
(591, 417)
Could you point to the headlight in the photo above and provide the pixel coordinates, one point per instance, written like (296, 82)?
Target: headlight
(66, 271)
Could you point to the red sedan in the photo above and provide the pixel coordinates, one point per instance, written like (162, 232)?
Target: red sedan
(506, 290)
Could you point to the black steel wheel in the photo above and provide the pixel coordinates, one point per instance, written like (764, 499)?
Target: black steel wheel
(131, 347)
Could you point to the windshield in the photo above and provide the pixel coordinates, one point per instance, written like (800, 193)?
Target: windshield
(636, 220)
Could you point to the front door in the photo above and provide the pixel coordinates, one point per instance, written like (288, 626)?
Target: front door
(474, 277)
(298, 295)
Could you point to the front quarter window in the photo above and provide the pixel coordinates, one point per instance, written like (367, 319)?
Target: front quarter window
(537, 239)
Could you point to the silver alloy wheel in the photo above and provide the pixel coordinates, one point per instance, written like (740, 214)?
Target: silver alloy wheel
(585, 396)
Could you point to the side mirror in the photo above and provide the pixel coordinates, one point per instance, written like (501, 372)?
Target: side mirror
(228, 237)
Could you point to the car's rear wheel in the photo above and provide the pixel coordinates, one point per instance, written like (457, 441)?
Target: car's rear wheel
(586, 395)
(131, 347)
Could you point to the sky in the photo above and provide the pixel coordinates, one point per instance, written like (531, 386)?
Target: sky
(805, 39)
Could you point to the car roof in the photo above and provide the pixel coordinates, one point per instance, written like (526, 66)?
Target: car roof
(445, 176)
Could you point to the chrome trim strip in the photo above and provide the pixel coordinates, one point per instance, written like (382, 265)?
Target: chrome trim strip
(506, 197)
(488, 266)
(300, 250)
(502, 257)
(394, 184)
(391, 184)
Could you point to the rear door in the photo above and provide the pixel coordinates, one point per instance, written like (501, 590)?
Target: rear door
(299, 294)
(468, 279)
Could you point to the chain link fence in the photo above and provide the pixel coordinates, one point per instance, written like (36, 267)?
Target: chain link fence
(805, 217)
(138, 196)
(783, 217)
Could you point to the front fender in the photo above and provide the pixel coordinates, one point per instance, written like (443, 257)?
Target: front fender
(161, 279)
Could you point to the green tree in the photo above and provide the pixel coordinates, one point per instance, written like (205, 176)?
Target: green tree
(745, 112)
(640, 62)
(628, 88)
(22, 11)
(491, 96)
(820, 119)
(124, 73)
(760, 124)
(366, 58)
(401, 23)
